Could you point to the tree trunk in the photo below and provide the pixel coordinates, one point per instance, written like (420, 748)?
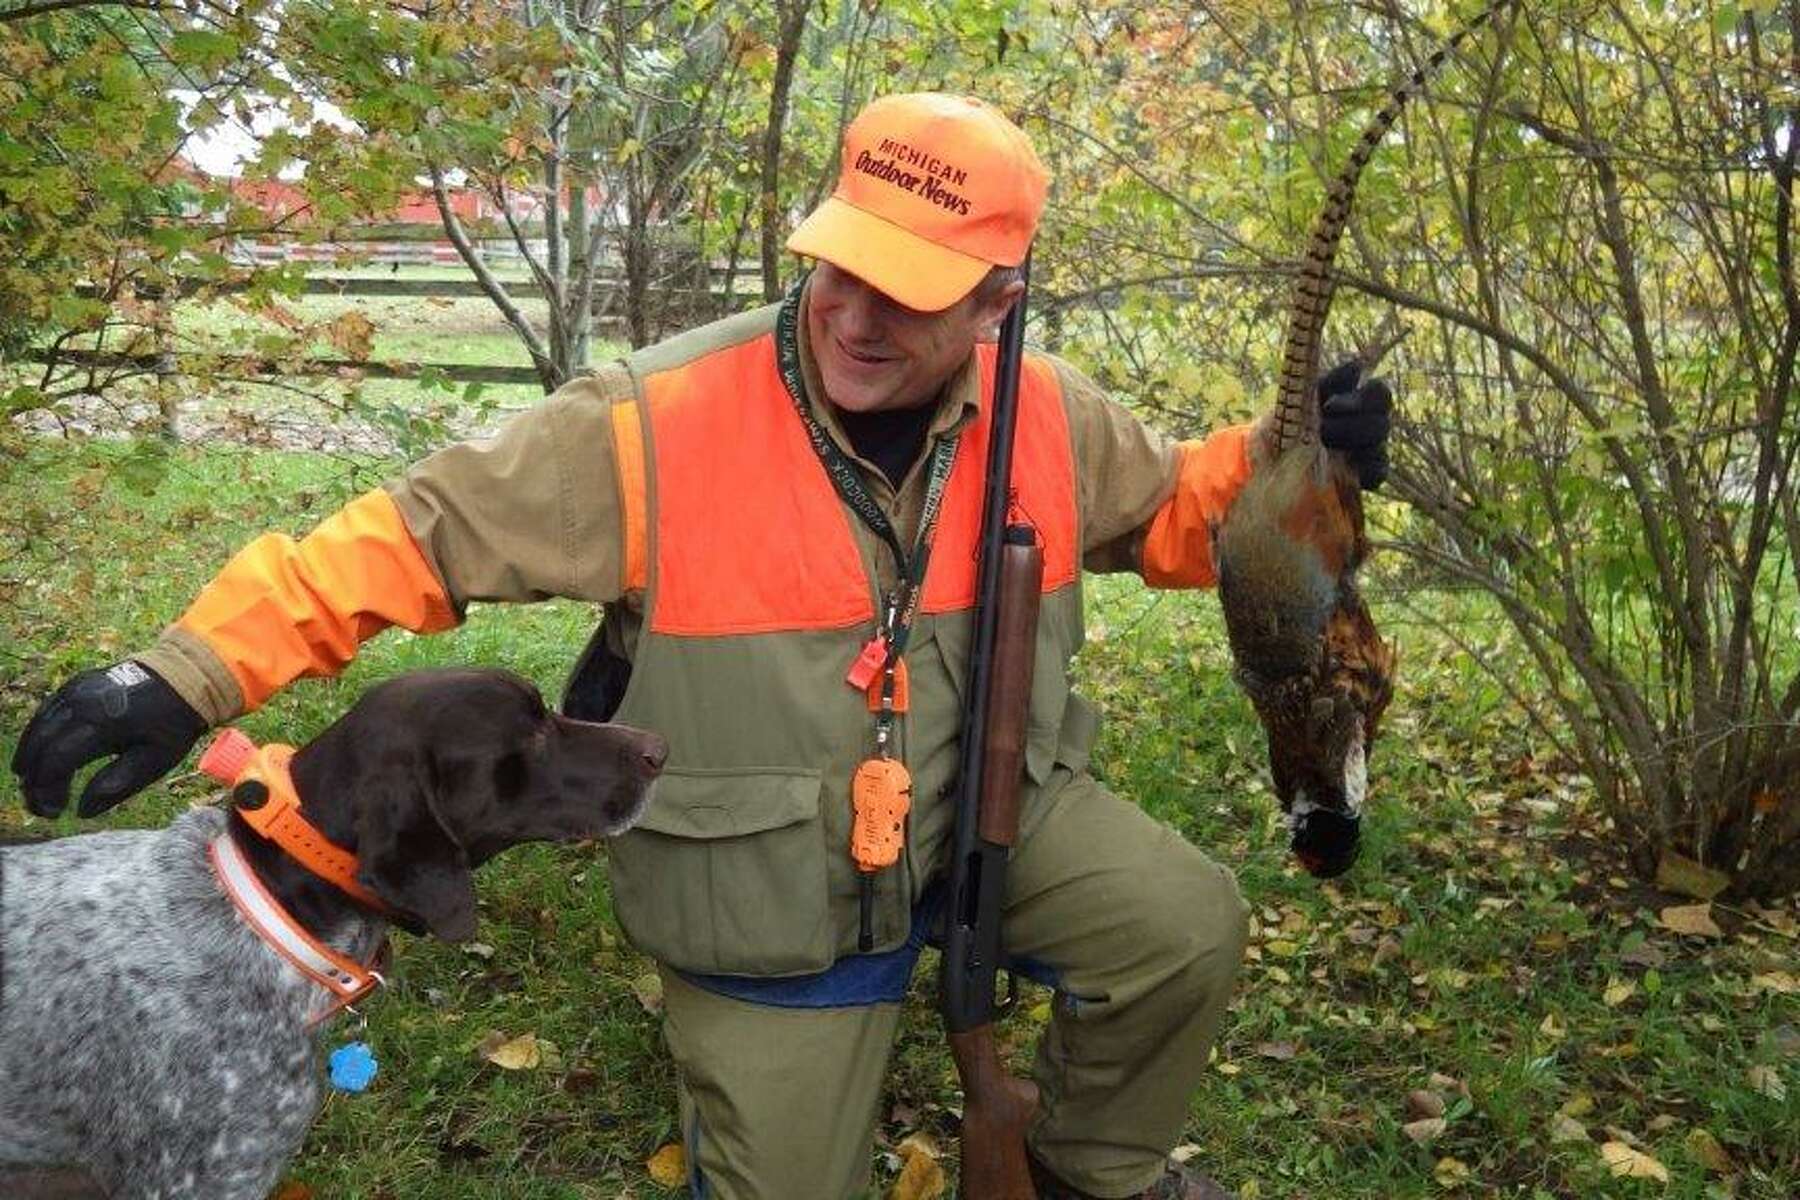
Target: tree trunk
(793, 24)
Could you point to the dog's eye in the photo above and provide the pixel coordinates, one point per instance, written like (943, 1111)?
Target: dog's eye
(509, 775)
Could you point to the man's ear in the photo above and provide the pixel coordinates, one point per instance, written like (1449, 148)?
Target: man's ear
(407, 857)
(993, 309)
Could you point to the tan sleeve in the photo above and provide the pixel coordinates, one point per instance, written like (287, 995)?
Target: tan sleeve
(1125, 472)
(529, 513)
(197, 673)
(533, 511)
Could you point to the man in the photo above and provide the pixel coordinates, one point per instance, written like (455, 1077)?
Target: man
(767, 506)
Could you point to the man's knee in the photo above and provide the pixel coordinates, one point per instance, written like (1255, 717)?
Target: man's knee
(1194, 924)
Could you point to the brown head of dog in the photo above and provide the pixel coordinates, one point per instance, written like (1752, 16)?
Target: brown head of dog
(434, 772)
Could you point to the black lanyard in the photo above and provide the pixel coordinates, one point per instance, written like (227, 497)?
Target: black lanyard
(847, 480)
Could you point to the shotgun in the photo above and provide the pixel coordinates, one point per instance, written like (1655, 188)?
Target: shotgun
(997, 1108)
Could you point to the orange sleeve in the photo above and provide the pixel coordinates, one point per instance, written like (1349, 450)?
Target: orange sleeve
(282, 609)
(1178, 542)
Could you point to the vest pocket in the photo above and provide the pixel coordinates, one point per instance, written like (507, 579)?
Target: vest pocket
(725, 874)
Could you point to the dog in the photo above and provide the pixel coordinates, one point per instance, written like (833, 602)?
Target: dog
(154, 1044)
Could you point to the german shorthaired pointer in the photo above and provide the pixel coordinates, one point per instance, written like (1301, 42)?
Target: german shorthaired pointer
(152, 1042)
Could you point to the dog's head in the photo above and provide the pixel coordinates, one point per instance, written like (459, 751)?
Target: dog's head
(444, 769)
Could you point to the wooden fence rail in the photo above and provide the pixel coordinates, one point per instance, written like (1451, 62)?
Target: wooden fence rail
(250, 365)
(684, 299)
(375, 285)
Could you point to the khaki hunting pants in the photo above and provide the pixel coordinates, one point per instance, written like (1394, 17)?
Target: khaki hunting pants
(1145, 934)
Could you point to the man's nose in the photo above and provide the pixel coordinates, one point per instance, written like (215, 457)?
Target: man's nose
(862, 310)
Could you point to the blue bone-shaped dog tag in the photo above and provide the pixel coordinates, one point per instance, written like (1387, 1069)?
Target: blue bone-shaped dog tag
(352, 1067)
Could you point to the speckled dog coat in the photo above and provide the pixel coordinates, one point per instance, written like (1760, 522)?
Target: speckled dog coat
(146, 1032)
(151, 1039)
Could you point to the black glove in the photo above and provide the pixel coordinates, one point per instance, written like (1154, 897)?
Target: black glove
(124, 709)
(1354, 416)
(1326, 841)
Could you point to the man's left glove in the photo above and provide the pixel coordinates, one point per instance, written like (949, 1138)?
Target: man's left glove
(125, 709)
(1354, 417)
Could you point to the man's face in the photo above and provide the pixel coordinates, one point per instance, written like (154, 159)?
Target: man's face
(875, 354)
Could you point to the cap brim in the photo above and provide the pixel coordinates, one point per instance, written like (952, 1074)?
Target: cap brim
(919, 274)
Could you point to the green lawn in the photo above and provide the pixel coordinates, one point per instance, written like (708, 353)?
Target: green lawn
(1489, 949)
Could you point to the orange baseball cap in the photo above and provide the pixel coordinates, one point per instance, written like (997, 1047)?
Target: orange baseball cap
(934, 191)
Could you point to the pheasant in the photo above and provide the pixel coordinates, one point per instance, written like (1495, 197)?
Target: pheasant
(1305, 648)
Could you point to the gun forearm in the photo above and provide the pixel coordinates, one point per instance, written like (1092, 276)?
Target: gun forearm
(1009, 697)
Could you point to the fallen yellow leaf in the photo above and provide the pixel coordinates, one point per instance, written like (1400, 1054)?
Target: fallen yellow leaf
(1706, 1149)
(1693, 919)
(921, 1177)
(1425, 1130)
(668, 1166)
(917, 1143)
(1553, 1028)
(1768, 1081)
(515, 1054)
(1450, 1172)
(1685, 877)
(1567, 1129)
(648, 988)
(1578, 1105)
(1452, 978)
(1618, 992)
(1623, 1161)
(1779, 982)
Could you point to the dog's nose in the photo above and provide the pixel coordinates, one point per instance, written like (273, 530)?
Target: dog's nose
(654, 754)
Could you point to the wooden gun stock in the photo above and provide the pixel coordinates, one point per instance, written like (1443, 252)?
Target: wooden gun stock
(997, 1113)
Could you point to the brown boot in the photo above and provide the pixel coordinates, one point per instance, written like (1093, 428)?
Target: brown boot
(1178, 1182)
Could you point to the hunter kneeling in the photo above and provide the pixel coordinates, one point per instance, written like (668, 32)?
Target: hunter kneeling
(780, 512)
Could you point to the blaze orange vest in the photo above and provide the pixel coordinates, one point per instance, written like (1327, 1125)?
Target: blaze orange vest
(757, 600)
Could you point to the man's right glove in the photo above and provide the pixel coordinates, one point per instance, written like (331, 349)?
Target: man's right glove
(1355, 416)
(124, 709)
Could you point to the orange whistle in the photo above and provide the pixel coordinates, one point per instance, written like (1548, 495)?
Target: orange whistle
(880, 797)
(868, 663)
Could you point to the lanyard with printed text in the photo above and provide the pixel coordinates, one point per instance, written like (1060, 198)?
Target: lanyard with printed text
(881, 653)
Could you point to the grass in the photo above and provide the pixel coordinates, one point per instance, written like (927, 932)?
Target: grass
(1490, 947)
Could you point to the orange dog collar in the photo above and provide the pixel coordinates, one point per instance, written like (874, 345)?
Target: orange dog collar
(345, 979)
(262, 791)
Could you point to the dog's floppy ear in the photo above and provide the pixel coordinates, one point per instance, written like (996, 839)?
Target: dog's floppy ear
(408, 857)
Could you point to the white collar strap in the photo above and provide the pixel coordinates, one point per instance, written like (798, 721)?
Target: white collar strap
(346, 979)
